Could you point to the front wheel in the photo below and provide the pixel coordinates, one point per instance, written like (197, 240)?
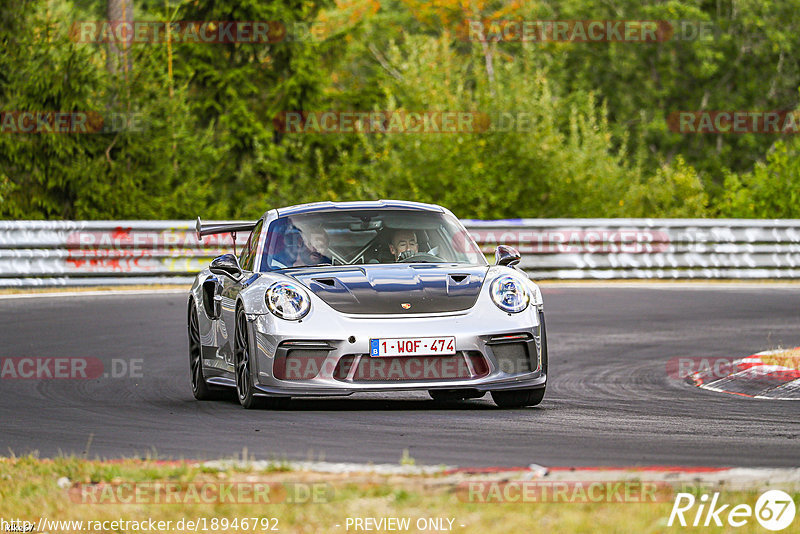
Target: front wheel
(245, 389)
(244, 378)
(518, 398)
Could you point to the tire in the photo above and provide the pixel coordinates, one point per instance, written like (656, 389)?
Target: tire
(518, 398)
(447, 395)
(200, 388)
(245, 390)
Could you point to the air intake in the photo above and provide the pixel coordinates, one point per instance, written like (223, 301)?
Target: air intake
(514, 353)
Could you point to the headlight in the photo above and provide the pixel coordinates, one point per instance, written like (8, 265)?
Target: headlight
(509, 294)
(287, 301)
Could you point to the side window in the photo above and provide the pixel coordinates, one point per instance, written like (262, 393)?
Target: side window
(245, 254)
(248, 252)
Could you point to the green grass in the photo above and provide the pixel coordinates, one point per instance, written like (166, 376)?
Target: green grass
(29, 489)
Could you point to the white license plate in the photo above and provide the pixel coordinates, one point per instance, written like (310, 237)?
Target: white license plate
(413, 346)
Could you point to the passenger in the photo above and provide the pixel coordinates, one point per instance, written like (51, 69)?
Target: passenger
(286, 247)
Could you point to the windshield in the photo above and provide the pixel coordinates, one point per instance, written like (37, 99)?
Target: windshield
(367, 237)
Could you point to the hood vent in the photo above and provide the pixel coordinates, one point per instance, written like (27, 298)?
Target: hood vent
(395, 288)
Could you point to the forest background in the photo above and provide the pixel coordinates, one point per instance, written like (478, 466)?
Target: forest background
(597, 139)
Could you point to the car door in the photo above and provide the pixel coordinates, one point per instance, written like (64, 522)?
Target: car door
(230, 291)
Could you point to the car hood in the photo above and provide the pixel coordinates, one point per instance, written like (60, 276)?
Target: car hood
(395, 289)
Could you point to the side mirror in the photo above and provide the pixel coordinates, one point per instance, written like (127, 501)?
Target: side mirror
(505, 255)
(226, 265)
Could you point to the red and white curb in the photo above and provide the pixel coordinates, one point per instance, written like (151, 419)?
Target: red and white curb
(751, 377)
(730, 477)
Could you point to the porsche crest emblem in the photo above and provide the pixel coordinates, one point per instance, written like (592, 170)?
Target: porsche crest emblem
(406, 305)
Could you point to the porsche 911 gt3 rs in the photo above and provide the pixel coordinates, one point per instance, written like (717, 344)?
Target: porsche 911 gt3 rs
(329, 299)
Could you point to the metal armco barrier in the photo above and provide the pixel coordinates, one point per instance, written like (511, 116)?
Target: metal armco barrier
(73, 253)
(648, 248)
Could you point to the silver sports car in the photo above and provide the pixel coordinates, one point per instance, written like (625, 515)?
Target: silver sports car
(330, 299)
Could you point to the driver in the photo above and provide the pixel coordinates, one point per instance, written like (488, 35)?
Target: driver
(404, 245)
(315, 248)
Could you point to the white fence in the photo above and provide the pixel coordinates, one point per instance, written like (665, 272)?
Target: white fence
(52, 253)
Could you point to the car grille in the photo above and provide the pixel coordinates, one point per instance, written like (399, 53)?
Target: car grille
(460, 366)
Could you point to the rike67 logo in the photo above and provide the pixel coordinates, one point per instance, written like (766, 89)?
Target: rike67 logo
(774, 510)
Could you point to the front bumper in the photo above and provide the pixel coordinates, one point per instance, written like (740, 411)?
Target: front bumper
(328, 355)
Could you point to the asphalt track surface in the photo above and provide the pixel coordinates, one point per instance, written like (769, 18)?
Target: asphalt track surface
(610, 400)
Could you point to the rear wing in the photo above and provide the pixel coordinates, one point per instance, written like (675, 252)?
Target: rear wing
(227, 228)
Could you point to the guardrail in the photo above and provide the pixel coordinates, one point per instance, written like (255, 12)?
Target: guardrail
(73, 253)
(649, 248)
